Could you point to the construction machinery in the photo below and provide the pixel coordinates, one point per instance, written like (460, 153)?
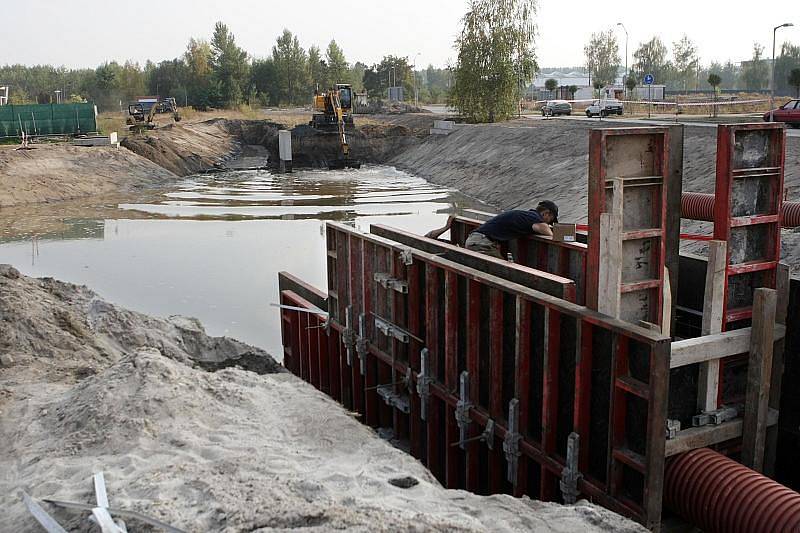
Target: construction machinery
(141, 117)
(333, 113)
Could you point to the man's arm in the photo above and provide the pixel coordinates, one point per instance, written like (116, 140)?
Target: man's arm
(434, 234)
(542, 228)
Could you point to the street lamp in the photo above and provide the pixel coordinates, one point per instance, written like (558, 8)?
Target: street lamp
(772, 70)
(416, 92)
(625, 77)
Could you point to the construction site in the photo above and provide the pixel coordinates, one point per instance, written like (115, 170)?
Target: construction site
(323, 364)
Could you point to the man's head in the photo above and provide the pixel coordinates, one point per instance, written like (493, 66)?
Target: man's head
(548, 210)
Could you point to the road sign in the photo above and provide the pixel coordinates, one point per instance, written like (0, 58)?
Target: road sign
(648, 79)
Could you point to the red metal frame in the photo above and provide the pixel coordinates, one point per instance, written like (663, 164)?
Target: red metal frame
(508, 329)
(640, 157)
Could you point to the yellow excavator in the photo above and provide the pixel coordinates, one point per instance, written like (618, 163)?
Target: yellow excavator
(333, 111)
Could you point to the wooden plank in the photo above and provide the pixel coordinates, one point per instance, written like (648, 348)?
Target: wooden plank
(710, 347)
(759, 373)
(674, 188)
(656, 422)
(713, 310)
(496, 407)
(782, 282)
(540, 280)
(451, 333)
(522, 385)
(666, 305)
(473, 367)
(701, 437)
(610, 266)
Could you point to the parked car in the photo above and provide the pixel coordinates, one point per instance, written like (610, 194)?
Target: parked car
(603, 108)
(556, 107)
(788, 113)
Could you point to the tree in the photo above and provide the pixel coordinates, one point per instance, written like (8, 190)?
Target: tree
(291, 63)
(338, 69)
(755, 71)
(496, 58)
(229, 66)
(264, 79)
(631, 82)
(197, 58)
(572, 89)
(788, 59)
(602, 57)
(376, 78)
(685, 61)
(651, 58)
(794, 81)
(551, 85)
(714, 80)
(317, 69)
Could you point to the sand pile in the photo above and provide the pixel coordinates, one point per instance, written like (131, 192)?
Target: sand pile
(95, 387)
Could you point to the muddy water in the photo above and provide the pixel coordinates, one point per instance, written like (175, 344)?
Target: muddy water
(212, 246)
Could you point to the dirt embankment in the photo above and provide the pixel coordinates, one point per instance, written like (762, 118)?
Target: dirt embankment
(518, 163)
(87, 386)
(56, 172)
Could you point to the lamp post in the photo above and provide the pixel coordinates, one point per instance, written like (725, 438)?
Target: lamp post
(625, 77)
(772, 70)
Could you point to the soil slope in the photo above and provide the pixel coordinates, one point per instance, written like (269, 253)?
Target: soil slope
(55, 172)
(95, 387)
(518, 163)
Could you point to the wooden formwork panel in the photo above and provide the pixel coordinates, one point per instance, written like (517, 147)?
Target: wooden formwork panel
(565, 259)
(443, 353)
(629, 176)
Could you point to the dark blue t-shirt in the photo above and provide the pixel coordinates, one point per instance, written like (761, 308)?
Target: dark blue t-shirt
(510, 225)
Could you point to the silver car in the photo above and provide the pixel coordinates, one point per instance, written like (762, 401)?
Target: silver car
(556, 107)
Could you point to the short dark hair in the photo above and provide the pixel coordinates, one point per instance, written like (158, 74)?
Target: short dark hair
(548, 205)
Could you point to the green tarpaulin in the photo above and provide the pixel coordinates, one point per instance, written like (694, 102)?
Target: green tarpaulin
(47, 119)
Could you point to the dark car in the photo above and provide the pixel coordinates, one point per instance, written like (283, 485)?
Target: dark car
(788, 113)
(556, 107)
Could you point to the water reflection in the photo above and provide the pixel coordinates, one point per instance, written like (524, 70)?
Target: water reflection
(212, 247)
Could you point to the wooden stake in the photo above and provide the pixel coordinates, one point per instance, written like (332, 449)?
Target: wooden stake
(713, 308)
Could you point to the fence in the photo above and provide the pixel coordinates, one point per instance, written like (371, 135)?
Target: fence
(47, 119)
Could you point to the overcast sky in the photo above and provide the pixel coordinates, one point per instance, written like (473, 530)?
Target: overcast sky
(84, 33)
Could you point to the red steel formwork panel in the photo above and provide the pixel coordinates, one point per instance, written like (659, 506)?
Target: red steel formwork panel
(486, 379)
(566, 259)
(747, 211)
(748, 203)
(640, 158)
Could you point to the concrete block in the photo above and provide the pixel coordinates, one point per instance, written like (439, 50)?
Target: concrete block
(285, 145)
(443, 124)
(438, 131)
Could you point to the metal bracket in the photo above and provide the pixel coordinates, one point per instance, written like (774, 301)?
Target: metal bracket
(407, 257)
(349, 334)
(570, 474)
(462, 409)
(393, 399)
(390, 330)
(423, 384)
(716, 417)
(488, 434)
(673, 428)
(511, 442)
(388, 282)
(362, 343)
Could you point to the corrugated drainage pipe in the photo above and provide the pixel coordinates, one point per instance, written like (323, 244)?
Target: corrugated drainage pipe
(700, 206)
(718, 494)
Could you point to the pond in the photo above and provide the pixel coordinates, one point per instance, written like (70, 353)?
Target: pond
(211, 246)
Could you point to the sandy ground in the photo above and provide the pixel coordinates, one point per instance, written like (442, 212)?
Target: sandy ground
(245, 448)
(55, 172)
(518, 163)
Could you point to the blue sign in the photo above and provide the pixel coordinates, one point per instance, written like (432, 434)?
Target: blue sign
(648, 79)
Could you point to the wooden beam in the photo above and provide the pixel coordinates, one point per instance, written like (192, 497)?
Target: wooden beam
(610, 271)
(700, 437)
(666, 305)
(782, 282)
(710, 347)
(759, 378)
(713, 309)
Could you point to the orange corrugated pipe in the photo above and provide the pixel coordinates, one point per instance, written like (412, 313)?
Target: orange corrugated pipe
(717, 494)
(700, 206)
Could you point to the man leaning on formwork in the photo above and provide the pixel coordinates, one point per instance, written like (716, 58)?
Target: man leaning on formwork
(513, 224)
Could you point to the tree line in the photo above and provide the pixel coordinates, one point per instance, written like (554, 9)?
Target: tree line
(218, 73)
(680, 68)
